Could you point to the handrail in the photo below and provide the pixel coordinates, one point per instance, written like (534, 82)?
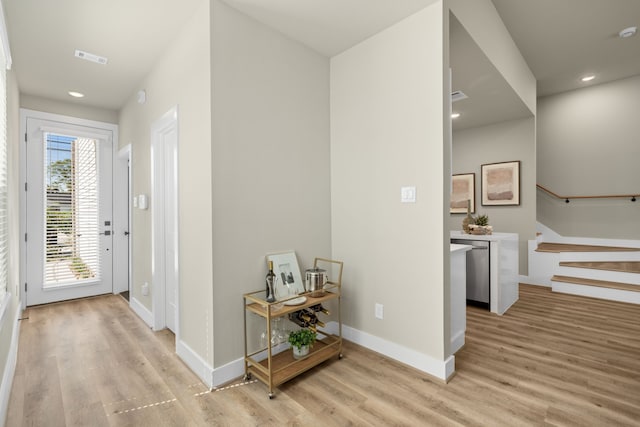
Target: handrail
(607, 196)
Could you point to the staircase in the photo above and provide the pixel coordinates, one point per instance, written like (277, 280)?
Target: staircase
(596, 268)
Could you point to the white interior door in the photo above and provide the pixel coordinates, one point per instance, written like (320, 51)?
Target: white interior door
(171, 225)
(164, 202)
(68, 211)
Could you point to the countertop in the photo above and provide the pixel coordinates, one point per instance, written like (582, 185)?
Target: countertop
(488, 237)
(455, 247)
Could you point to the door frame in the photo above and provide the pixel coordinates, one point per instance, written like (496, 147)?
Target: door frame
(121, 220)
(166, 123)
(40, 115)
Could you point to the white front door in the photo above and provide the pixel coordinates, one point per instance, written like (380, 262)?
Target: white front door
(68, 211)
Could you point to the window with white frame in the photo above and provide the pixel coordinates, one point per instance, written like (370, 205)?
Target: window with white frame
(4, 220)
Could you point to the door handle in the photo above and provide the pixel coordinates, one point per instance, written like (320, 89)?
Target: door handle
(126, 233)
(106, 233)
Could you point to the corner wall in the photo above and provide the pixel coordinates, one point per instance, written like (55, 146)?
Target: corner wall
(588, 145)
(270, 162)
(181, 77)
(387, 131)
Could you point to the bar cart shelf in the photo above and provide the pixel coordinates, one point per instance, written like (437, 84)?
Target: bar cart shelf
(276, 369)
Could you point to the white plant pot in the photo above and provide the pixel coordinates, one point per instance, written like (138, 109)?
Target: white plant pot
(299, 353)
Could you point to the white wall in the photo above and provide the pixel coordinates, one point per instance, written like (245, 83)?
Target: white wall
(72, 109)
(501, 142)
(387, 121)
(270, 162)
(182, 78)
(588, 145)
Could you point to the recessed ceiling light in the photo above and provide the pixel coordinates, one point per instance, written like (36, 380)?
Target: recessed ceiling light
(627, 32)
(588, 78)
(76, 94)
(455, 115)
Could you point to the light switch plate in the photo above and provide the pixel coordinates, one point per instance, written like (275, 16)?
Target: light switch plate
(408, 194)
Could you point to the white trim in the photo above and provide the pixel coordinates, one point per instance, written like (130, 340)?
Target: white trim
(142, 311)
(228, 372)
(441, 369)
(197, 364)
(120, 221)
(211, 377)
(457, 341)
(596, 292)
(100, 127)
(168, 122)
(6, 299)
(214, 377)
(10, 366)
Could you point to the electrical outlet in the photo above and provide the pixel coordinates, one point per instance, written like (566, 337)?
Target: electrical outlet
(379, 311)
(145, 289)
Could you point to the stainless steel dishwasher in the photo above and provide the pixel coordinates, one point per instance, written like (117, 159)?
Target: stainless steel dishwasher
(478, 272)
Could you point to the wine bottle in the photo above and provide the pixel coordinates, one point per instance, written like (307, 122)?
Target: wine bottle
(308, 318)
(318, 308)
(270, 282)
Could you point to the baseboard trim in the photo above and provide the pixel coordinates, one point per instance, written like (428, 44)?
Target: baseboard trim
(196, 363)
(457, 342)
(10, 367)
(214, 377)
(142, 311)
(228, 372)
(440, 369)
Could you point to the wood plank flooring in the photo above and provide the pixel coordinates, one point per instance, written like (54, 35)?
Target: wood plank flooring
(568, 247)
(552, 359)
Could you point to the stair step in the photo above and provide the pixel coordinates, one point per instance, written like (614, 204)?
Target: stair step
(621, 266)
(597, 283)
(568, 247)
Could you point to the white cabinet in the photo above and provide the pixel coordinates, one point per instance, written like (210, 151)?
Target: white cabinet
(458, 295)
(503, 267)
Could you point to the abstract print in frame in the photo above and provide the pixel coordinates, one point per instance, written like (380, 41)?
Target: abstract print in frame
(501, 184)
(463, 188)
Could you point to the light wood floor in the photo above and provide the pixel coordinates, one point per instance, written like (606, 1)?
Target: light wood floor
(553, 359)
(568, 247)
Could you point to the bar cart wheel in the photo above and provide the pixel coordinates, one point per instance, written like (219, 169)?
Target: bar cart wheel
(271, 395)
(247, 377)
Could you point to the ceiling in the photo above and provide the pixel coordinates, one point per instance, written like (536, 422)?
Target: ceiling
(560, 40)
(44, 35)
(329, 26)
(490, 98)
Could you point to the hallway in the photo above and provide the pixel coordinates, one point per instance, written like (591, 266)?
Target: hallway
(553, 359)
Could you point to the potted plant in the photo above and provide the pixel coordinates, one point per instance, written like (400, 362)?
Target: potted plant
(301, 340)
(481, 225)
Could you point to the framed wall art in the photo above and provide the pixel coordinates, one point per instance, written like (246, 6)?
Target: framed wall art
(463, 188)
(501, 184)
(287, 271)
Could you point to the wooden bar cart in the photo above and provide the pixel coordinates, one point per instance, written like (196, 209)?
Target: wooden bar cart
(274, 368)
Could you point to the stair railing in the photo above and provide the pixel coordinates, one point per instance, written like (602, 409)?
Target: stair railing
(606, 196)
